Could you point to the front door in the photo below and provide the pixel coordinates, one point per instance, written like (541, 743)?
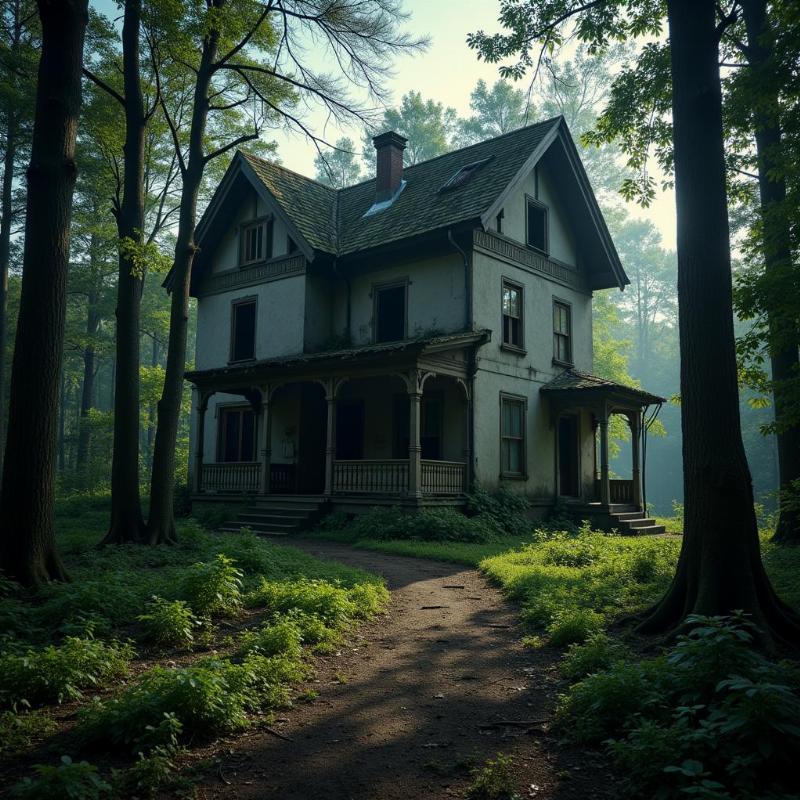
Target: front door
(311, 440)
(568, 462)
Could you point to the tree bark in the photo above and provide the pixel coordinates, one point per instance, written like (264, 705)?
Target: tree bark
(784, 345)
(719, 569)
(27, 540)
(127, 523)
(87, 389)
(6, 211)
(161, 523)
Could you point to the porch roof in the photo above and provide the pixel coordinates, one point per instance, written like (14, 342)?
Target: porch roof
(332, 361)
(575, 385)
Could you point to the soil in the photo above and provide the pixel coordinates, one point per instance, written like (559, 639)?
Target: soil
(415, 700)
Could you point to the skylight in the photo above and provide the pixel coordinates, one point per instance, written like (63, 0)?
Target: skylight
(464, 175)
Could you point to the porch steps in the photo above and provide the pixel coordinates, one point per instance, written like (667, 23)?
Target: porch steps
(628, 520)
(279, 515)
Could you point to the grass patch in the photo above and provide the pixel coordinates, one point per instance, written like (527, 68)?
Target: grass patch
(64, 641)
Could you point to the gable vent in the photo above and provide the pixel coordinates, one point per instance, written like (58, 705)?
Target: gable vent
(464, 175)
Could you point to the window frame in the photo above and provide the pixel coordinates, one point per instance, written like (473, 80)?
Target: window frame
(558, 301)
(522, 401)
(532, 201)
(518, 349)
(267, 222)
(242, 301)
(403, 283)
(222, 411)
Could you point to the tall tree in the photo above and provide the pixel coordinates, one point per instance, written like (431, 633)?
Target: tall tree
(495, 111)
(18, 49)
(232, 72)
(720, 568)
(27, 541)
(337, 166)
(780, 278)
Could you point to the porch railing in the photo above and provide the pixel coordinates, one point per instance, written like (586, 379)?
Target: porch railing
(370, 476)
(442, 477)
(238, 476)
(621, 490)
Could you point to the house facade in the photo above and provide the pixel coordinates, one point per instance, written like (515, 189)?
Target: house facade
(402, 339)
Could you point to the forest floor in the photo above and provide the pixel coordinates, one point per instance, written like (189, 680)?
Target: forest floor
(418, 699)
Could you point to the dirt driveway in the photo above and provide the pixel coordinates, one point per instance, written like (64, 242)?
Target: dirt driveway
(416, 698)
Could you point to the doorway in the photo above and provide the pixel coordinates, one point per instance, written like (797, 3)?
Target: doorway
(568, 456)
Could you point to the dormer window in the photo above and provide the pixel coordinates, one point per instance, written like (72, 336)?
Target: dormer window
(256, 242)
(537, 222)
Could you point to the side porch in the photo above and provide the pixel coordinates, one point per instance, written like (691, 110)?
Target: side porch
(612, 502)
(382, 424)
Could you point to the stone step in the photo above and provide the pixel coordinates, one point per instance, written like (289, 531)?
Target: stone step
(258, 516)
(648, 530)
(262, 527)
(626, 515)
(640, 522)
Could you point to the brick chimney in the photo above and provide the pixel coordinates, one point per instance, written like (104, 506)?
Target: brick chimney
(389, 172)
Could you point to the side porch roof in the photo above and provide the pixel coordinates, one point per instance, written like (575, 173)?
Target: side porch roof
(581, 388)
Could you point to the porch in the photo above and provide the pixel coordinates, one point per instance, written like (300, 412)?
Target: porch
(399, 434)
(574, 393)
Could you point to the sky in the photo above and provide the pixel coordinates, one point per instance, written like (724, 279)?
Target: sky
(447, 72)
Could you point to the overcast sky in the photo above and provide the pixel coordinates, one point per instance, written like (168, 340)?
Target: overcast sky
(446, 72)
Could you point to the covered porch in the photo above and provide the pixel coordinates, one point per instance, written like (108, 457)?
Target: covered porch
(574, 393)
(386, 423)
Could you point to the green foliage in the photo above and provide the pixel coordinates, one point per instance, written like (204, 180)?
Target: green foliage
(34, 677)
(214, 589)
(598, 652)
(338, 166)
(504, 510)
(18, 730)
(493, 781)
(713, 717)
(70, 779)
(572, 583)
(168, 622)
(337, 606)
(151, 774)
(280, 637)
(573, 625)
(213, 515)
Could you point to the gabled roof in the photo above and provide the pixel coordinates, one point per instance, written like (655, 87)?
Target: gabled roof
(577, 383)
(330, 221)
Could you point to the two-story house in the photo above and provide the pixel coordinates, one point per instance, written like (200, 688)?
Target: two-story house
(395, 341)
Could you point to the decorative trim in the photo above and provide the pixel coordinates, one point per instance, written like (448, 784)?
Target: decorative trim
(263, 272)
(521, 256)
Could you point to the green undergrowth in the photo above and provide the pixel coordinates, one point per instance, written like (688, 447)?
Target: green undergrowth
(186, 642)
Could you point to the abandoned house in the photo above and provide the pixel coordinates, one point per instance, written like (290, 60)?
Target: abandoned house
(396, 341)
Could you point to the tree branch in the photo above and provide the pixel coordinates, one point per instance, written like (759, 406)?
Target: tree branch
(104, 86)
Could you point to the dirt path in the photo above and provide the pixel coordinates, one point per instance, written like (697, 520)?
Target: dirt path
(422, 681)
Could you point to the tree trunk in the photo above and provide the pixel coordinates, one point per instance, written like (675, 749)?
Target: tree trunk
(87, 390)
(62, 422)
(161, 524)
(127, 523)
(5, 255)
(777, 245)
(27, 540)
(719, 569)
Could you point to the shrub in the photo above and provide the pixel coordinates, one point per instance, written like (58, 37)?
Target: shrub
(168, 622)
(214, 588)
(335, 605)
(712, 718)
(574, 625)
(494, 781)
(152, 773)
(55, 674)
(597, 653)
(71, 780)
(272, 639)
(507, 510)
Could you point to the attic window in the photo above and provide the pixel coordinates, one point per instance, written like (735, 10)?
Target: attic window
(464, 174)
(255, 242)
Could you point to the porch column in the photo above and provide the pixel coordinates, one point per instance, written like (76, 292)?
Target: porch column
(605, 484)
(414, 446)
(202, 407)
(265, 440)
(635, 421)
(467, 444)
(330, 445)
